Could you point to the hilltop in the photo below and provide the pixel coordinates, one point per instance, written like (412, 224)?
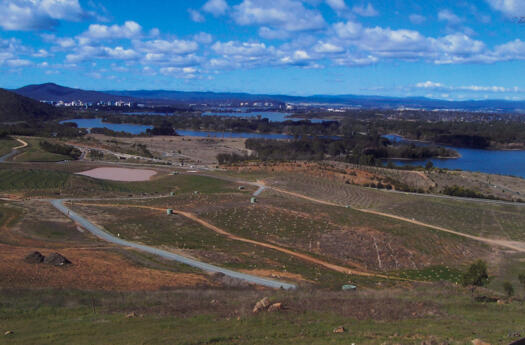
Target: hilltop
(15, 108)
(54, 92)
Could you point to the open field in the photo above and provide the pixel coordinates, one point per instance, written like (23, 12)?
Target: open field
(489, 220)
(174, 148)
(205, 308)
(6, 145)
(43, 180)
(35, 153)
(441, 315)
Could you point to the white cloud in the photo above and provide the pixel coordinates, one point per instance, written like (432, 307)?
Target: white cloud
(38, 14)
(203, 37)
(338, 5)
(328, 48)
(366, 11)
(169, 47)
(417, 18)
(196, 16)
(449, 17)
(473, 88)
(511, 8)
(129, 30)
(215, 7)
(285, 15)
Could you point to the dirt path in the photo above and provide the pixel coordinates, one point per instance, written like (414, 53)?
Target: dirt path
(24, 144)
(517, 246)
(218, 230)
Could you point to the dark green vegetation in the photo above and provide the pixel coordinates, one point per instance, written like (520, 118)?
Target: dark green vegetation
(60, 149)
(476, 275)
(45, 151)
(465, 192)
(15, 108)
(360, 149)
(437, 314)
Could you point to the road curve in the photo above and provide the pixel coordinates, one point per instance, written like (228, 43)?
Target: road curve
(98, 232)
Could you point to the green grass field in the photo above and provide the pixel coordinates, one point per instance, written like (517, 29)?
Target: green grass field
(59, 181)
(35, 153)
(445, 315)
(6, 145)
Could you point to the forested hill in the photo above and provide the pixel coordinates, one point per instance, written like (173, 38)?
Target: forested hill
(14, 108)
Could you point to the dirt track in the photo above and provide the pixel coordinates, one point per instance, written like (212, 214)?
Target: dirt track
(517, 246)
(212, 227)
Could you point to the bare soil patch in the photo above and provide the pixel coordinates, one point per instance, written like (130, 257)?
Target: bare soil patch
(120, 174)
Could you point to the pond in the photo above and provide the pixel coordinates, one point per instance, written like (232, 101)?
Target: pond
(502, 162)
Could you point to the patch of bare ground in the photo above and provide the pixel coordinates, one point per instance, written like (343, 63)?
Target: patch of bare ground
(343, 172)
(91, 270)
(191, 150)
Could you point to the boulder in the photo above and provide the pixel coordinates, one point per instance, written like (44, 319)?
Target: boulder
(34, 258)
(131, 315)
(56, 259)
(479, 342)
(275, 307)
(339, 329)
(6, 333)
(261, 305)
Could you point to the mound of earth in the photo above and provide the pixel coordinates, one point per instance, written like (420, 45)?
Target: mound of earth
(56, 259)
(34, 258)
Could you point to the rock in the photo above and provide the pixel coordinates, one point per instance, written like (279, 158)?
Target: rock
(261, 305)
(131, 315)
(34, 258)
(56, 259)
(339, 329)
(275, 307)
(501, 301)
(6, 333)
(479, 342)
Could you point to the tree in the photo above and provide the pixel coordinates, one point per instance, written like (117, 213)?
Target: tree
(509, 289)
(429, 165)
(521, 278)
(476, 275)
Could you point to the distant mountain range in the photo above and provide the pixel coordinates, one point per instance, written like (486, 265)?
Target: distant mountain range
(15, 108)
(54, 92)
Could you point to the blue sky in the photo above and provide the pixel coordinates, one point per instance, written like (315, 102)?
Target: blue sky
(436, 48)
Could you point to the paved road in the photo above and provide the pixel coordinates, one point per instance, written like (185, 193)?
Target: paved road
(59, 204)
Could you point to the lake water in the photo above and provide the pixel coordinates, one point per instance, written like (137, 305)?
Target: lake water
(270, 115)
(487, 161)
(139, 129)
(119, 127)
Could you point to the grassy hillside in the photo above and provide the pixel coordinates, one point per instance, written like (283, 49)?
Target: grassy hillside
(14, 108)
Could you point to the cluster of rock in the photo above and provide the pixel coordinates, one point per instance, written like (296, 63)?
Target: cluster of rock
(54, 259)
(265, 305)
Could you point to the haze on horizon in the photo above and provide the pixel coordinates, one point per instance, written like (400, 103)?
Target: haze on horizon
(441, 49)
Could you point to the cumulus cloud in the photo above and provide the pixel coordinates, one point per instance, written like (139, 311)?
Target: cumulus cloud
(449, 17)
(28, 15)
(510, 8)
(365, 11)
(129, 30)
(215, 7)
(196, 16)
(338, 5)
(278, 15)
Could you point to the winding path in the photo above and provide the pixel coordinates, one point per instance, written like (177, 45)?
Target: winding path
(98, 232)
(304, 257)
